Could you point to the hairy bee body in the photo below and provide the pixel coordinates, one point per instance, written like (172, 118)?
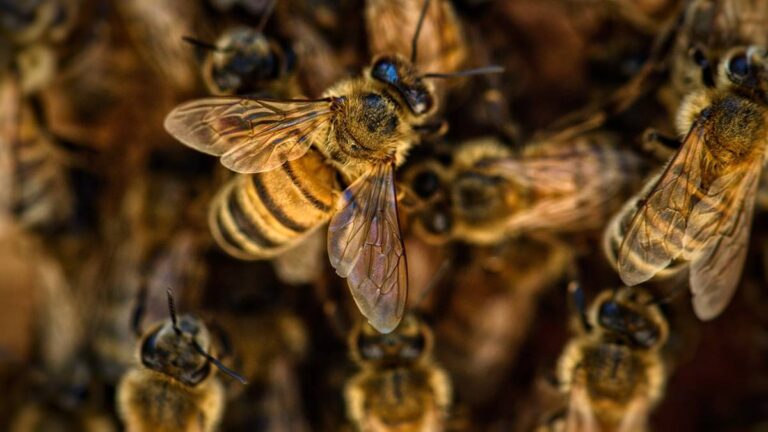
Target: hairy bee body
(613, 370)
(260, 215)
(159, 403)
(399, 386)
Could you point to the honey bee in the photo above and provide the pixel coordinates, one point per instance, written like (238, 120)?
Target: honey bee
(489, 194)
(700, 208)
(361, 130)
(245, 61)
(613, 370)
(175, 387)
(399, 387)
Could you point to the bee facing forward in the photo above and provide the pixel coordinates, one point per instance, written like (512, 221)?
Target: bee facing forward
(399, 388)
(613, 370)
(175, 388)
(488, 194)
(361, 130)
(700, 208)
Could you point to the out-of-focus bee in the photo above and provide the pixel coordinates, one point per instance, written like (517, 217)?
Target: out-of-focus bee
(489, 194)
(700, 208)
(399, 387)
(36, 187)
(156, 30)
(245, 61)
(360, 130)
(175, 387)
(613, 370)
(443, 47)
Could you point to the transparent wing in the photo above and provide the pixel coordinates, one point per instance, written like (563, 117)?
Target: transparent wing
(655, 234)
(365, 246)
(580, 417)
(716, 271)
(250, 135)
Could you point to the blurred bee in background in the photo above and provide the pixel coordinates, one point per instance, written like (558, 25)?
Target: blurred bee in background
(245, 61)
(699, 210)
(174, 388)
(613, 369)
(489, 194)
(399, 386)
(361, 129)
(36, 189)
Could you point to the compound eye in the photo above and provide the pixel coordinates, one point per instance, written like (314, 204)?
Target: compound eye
(386, 71)
(426, 183)
(738, 66)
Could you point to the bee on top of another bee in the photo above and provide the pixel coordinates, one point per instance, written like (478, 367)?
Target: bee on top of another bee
(699, 209)
(613, 370)
(399, 387)
(360, 130)
(174, 388)
(488, 193)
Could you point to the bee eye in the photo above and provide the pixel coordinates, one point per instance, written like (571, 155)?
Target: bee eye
(385, 71)
(426, 184)
(738, 66)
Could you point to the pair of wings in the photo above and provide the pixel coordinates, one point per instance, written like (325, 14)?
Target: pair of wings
(696, 214)
(364, 241)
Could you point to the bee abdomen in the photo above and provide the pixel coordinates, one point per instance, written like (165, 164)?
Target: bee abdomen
(260, 215)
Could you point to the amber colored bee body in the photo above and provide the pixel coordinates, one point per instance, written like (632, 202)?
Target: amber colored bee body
(613, 370)
(174, 387)
(362, 128)
(399, 387)
(699, 210)
(556, 187)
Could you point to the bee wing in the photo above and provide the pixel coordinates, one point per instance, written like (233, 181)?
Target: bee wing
(365, 246)
(636, 416)
(580, 416)
(654, 237)
(250, 135)
(716, 271)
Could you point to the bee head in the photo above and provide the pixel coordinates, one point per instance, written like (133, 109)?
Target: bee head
(170, 349)
(408, 343)
(398, 74)
(629, 316)
(746, 67)
(433, 221)
(243, 58)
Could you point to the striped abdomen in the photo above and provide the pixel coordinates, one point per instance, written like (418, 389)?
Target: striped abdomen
(39, 194)
(258, 216)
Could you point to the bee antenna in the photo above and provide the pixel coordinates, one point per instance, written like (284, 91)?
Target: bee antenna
(172, 311)
(415, 40)
(579, 303)
(265, 17)
(200, 43)
(139, 310)
(700, 58)
(436, 278)
(493, 69)
(218, 364)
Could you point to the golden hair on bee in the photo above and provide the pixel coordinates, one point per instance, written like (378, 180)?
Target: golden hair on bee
(612, 370)
(699, 209)
(399, 387)
(174, 387)
(362, 128)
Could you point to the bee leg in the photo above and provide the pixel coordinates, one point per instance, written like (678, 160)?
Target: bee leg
(659, 145)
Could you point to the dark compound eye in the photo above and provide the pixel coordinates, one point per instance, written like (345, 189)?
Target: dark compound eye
(426, 184)
(610, 316)
(738, 66)
(385, 71)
